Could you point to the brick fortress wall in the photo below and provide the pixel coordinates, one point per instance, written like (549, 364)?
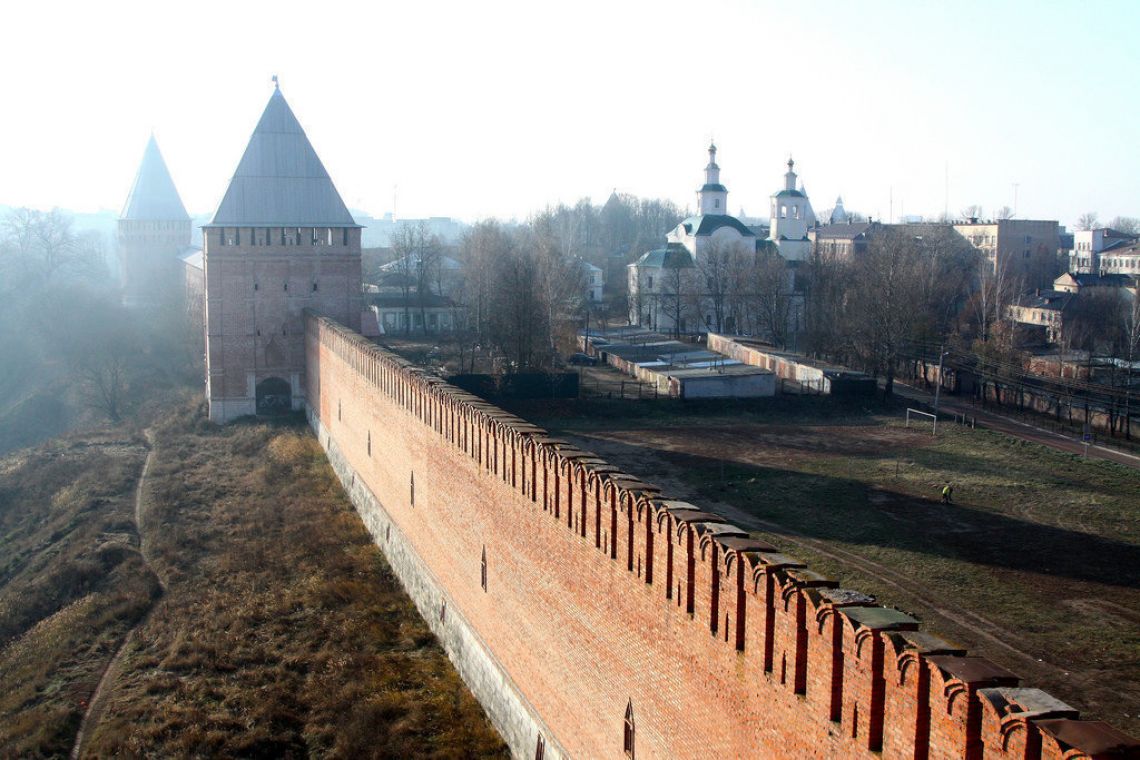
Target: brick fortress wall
(571, 595)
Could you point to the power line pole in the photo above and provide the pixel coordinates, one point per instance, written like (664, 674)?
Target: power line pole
(938, 387)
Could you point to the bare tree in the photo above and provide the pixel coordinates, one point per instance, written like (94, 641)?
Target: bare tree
(883, 305)
(1095, 319)
(519, 326)
(418, 254)
(561, 275)
(1129, 225)
(482, 247)
(403, 251)
(1131, 334)
(1005, 212)
(47, 246)
(716, 266)
(993, 290)
(973, 211)
(676, 292)
(1088, 221)
(772, 297)
(827, 279)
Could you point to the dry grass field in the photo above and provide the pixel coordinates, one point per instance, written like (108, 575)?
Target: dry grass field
(1036, 564)
(280, 632)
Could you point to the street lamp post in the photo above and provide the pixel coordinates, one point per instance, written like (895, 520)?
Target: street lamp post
(938, 387)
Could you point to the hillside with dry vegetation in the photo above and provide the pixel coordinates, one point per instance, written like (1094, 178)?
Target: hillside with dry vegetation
(72, 582)
(280, 632)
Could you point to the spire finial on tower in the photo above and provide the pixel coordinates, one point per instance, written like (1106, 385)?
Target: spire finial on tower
(791, 163)
(276, 84)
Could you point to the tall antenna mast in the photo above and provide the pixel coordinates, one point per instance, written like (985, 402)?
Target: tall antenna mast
(946, 193)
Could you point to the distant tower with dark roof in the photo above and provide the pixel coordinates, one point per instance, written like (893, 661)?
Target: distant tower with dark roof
(280, 242)
(154, 231)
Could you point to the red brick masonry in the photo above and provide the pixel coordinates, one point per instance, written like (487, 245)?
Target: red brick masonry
(597, 594)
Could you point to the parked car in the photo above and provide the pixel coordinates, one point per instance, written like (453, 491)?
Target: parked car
(582, 360)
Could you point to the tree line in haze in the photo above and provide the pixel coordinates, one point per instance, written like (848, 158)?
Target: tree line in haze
(523, 291)
(70, 351)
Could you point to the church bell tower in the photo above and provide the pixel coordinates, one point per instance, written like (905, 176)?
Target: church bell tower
(712, 198)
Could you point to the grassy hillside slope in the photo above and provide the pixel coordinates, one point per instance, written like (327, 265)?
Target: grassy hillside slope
(72, 582)
(282, 631)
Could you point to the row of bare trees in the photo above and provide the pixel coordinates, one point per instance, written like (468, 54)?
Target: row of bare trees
(867, 311)
(419, 263)
(522, 291)
(54, 330)
(726, 287)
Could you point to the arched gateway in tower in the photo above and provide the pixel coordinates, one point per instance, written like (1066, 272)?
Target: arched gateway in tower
(281, 241)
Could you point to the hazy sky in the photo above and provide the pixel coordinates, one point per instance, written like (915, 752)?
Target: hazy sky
(473, 109)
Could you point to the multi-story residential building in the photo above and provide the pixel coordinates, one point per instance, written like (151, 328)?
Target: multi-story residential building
(1090, 245)
(1043, 310)
(1120, 259)
(593, 281)
(1018, 247)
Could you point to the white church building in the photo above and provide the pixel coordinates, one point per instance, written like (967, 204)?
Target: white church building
(681, 289)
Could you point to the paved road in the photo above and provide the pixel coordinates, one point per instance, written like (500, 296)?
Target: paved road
(952, 404)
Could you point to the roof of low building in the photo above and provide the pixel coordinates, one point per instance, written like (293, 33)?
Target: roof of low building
(707, 224)
(280, 181)
(412, 262)
(153, 196)
(191, 256)
(1085, 280)
(672, 256)
(718, 371)
(413, 301)
(1115, 245)
(1047, 300)
(842, 231)
(1127, 249)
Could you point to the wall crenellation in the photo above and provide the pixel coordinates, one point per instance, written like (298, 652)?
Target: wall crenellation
(789, 661)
